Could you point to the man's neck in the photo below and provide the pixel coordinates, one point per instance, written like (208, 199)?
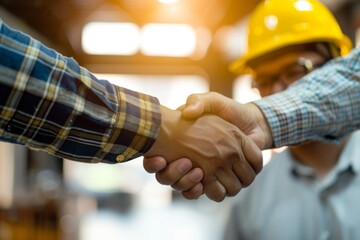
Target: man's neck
(321, 156)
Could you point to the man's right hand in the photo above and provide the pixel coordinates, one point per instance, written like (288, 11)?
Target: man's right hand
(228, 158)
(247, 117)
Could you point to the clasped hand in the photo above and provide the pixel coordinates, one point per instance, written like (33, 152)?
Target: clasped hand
(211, 146)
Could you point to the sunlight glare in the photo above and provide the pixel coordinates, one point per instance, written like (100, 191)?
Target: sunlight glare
(110, 38)
(168, 1)
(176, 40)
(303, 5)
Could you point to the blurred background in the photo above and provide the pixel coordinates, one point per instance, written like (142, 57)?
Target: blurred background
(166, 48)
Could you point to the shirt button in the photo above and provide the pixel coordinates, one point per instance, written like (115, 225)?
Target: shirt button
(120, 158)
(61, 64)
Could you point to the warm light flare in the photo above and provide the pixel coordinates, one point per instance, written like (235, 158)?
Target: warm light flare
(110, 38)
(303, 6)
(177, 40)
(168, 1)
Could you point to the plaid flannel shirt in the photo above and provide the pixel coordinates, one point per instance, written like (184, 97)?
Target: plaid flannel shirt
(324, 105)
(48, 102)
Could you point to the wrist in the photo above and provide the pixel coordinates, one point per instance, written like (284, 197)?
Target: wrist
(263, 126)
(162, 144)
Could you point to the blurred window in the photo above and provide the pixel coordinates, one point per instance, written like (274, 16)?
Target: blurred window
(153, 39)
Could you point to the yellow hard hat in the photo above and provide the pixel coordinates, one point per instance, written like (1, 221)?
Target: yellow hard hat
(275, 24)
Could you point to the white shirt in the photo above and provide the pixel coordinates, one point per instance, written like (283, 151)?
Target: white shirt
(286, 201)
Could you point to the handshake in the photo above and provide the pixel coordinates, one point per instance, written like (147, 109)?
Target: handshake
(210, 145)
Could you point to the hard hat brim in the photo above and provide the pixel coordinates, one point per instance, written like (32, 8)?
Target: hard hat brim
(240, 66)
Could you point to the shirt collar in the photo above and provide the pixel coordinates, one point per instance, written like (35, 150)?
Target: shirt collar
(349, 160)
(350, 156)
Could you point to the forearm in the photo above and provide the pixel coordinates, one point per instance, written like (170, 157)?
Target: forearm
(324, 105)
(48, 102)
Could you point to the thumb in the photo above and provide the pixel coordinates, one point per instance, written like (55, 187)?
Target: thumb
(193, 108)
(199, 104)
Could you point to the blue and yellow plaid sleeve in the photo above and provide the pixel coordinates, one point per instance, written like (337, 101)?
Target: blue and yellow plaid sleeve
(48, 102)
(324, 105)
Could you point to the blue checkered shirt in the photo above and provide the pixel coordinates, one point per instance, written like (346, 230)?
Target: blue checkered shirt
(324, 105)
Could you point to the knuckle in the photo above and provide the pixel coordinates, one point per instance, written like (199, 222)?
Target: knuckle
(190, 196)
(163, 179)
(234, 190)
(259, 163)
(215, 196)
(247, 181)
(176, 187)
(181, 186)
